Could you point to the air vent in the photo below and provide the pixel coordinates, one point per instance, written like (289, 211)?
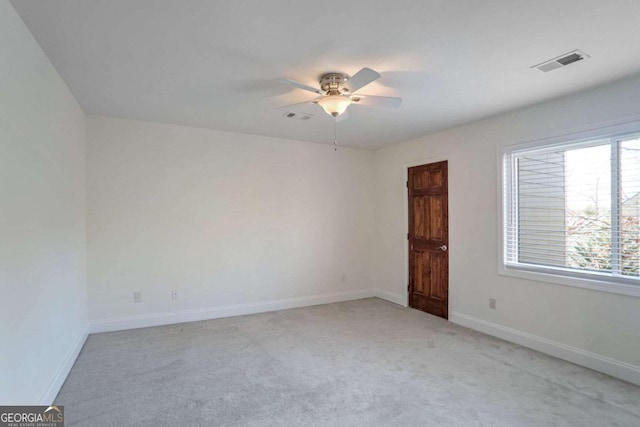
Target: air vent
(561, 61)
(297, 116)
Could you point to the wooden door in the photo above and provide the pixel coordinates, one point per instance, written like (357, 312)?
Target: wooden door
(429, 239)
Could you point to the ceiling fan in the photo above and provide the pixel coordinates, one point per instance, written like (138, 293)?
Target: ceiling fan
(337, 92)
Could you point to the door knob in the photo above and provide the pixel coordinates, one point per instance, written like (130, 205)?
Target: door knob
(443, 248)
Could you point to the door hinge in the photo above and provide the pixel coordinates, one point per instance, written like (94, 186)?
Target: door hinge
(407, 184)
(407, 236)
(408, 288)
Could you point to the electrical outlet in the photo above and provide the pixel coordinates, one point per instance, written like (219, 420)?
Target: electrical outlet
(174, 294)
(137, 297)
(492, 303)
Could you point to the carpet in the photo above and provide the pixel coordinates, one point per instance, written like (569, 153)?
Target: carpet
(359, 363)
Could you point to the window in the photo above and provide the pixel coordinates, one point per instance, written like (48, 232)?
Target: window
(573, 209)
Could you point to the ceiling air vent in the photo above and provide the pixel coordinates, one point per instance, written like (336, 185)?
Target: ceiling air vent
(297, 116)
(561, 61)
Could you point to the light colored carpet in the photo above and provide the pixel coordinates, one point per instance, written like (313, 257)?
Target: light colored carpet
(359, 363)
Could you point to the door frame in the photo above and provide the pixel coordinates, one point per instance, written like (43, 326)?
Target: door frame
(405, 179)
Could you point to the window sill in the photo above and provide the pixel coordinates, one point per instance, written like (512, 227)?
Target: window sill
(576, 282)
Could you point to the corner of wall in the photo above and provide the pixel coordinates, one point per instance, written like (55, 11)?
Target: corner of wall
(59, 377)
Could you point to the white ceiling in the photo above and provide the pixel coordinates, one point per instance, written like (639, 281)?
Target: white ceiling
(215, 64)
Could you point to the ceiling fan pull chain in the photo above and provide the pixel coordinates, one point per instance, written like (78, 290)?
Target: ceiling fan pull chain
(335, 134)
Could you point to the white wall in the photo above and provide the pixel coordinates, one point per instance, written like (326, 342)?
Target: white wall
(43, 317)
(600, 323)
(223, 218)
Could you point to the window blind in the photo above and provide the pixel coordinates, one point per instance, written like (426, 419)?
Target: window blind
(574, 208)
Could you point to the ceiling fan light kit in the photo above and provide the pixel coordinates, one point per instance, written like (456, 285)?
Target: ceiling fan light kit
(334, 105)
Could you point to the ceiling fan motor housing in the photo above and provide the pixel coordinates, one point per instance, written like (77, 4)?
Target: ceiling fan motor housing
(333, 83)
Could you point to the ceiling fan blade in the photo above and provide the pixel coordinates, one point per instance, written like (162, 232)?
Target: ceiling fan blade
(311, 101)
(343, 116)
(300, 86)
(376, 101)
(361, 79)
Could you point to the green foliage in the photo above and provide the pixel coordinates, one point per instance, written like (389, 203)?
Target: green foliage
(589, 238)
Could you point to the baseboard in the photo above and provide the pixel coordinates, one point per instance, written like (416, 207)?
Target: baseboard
(615, 368)
(167, 318)
(63, 370)
(391, 297)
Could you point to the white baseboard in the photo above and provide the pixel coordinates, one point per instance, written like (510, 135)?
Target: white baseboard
(63, 370)
(615, 368)
(391, 297)
(167, 318)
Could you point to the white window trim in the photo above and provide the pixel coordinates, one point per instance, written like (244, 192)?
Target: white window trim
(543, 274)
